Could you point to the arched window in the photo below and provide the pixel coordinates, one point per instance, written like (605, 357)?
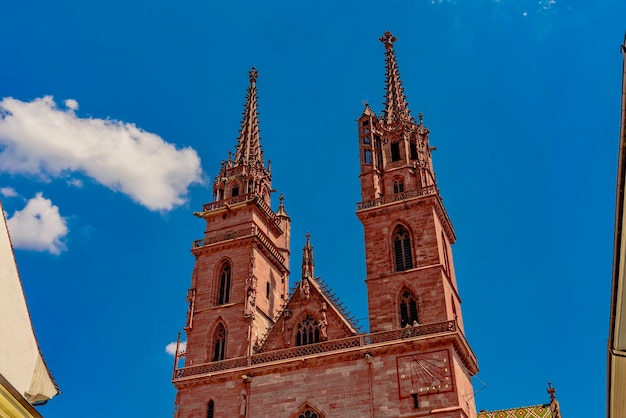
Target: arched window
(308, 331)
(219, 343)
(309, 413)
(223, 295)
(408, 308)
(235, 190)
(402, 249)
(395, 151)
(398, 185)
(210, 409)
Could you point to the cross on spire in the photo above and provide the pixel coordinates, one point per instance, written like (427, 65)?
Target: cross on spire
(248, 150)
(396, 106)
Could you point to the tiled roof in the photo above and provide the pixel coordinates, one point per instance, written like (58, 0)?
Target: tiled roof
(538, 411)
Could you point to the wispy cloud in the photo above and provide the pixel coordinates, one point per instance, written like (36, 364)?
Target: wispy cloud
(38, 226)
(39, 138)
(8, 192)
(171, 348)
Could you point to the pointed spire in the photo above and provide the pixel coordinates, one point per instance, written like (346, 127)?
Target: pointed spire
(307, 258)
(248, 144)
(396, 106)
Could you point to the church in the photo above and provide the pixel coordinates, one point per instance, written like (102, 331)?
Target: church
(255, 349)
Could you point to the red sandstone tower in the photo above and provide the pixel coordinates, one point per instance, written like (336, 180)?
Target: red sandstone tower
(255, 351)
(240, 278)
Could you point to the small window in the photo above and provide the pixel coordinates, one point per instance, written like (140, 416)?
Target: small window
(219, 343)
(223, 295)
(365, 122)
(413, 151)
(398, 186)
(210, 409)
(402, 249)
(367, 140)
(395, 151)
(408, 309)
(367, 156)
(308, 331)
(267, 290)
(235, 191)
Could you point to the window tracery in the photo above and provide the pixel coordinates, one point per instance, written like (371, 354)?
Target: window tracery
(408, 308)
(308, 331)
(224, 285)
(402, 249)
(219, 343)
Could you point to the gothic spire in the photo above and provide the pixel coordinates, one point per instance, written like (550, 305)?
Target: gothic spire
(248, 150)
(396, 106)
(307, 258)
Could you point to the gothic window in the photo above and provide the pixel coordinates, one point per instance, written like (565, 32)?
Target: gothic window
(367, 139)
(235, 191)
(413, 151)
(308, 413)
(408, 308)
(367, 156)
(308, 331)
(398, 186)
(224, 289)
(402, 249)
(395, 151)
(210, 409)
(219, 343)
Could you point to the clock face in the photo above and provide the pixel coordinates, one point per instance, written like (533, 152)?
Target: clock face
(424, 373)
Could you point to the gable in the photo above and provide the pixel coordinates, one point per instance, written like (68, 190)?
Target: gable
(308, 302)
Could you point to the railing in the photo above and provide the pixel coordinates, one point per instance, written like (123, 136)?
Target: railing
(244, 198)
(228, 235)
(230, 201)
(245, 232)
(396, 197)
(363, 340)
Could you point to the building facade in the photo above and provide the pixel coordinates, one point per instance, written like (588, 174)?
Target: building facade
(255, 350)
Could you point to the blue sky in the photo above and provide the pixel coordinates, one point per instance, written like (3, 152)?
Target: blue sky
(116, 116)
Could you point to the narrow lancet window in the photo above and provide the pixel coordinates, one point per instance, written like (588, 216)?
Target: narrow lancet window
(408, 308)
(224, 289)
(210, 409)
(395, 151)
(219, 343)
(402, 249)
(308, 331)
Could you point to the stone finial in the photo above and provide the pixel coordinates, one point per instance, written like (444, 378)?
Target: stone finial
(388, 39)
(254, 75)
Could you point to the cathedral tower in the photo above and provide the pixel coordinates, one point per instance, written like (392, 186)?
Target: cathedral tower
(240, 278)
(410, 273)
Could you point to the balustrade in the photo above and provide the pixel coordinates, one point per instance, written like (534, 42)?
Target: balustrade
(357, 341)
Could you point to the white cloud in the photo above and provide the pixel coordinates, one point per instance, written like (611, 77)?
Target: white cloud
(71, 104)
(8, 192)
(39, 138)
(171, 348)
(38, 226)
